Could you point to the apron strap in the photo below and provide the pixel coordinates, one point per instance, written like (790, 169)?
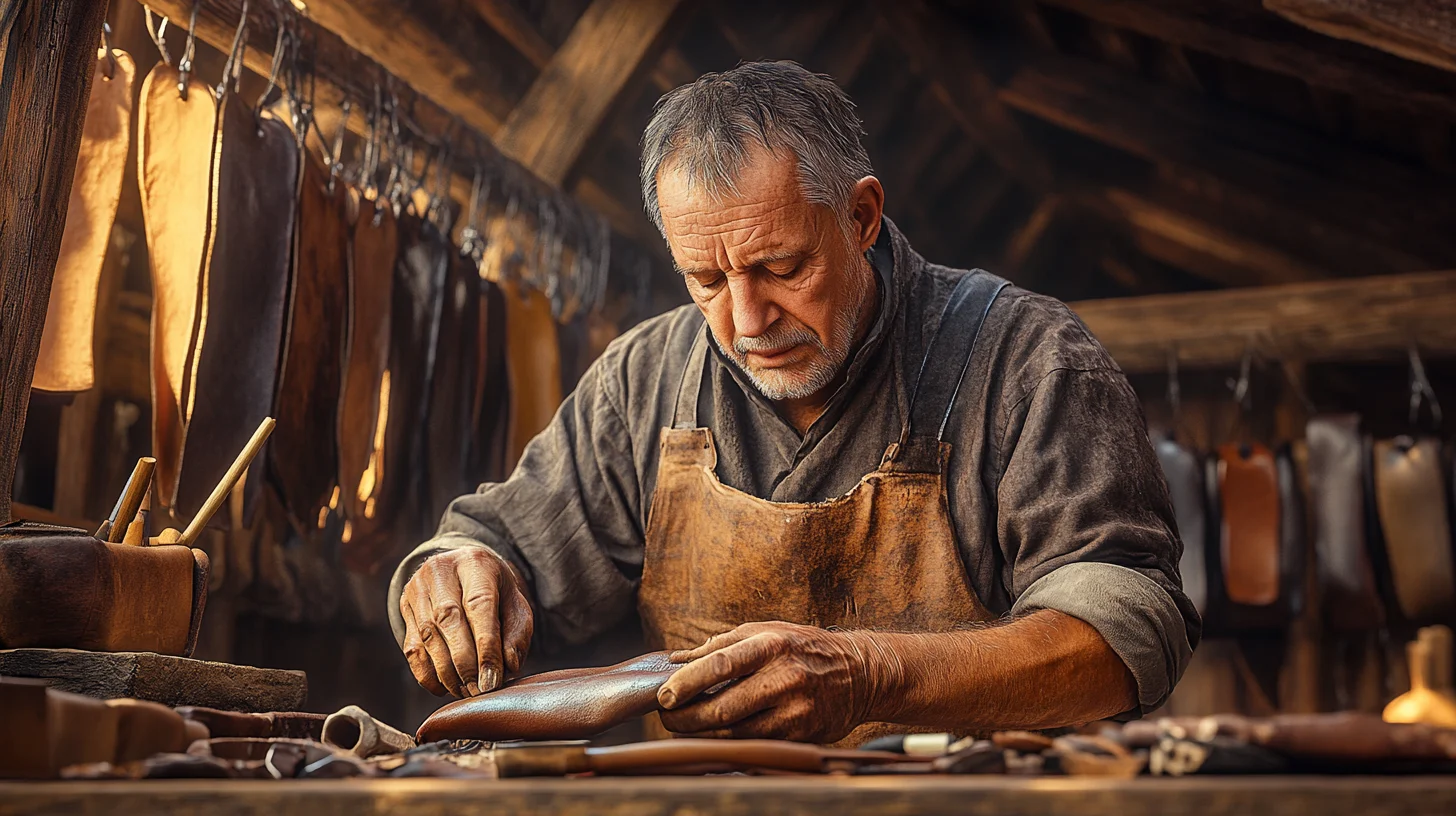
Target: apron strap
(955, 339)
(685, 414)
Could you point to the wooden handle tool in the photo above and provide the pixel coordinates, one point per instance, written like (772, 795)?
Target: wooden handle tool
(219, 493)
(114, 528)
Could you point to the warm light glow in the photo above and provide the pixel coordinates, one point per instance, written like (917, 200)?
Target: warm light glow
(348, 532)
(334, 499)
(300, 5)
(370, 478)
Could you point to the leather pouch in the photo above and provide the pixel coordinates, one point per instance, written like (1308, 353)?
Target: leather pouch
(303, 455)
(1410, 496)
(1184, 474)
(65, 362)
(61, 588)
(1346, 577)
(174, 156)
(234, 364)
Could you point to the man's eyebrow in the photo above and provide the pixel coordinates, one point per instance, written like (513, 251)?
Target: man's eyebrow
(772, 257)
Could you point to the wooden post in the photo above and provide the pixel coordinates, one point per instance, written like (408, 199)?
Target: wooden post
(44, 87)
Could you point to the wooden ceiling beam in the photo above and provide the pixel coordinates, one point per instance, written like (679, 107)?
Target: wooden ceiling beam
(613, 41)
(929, 39)
(517, 29)
(1418, 30)
(1263, 41)
(1344, 320)
(1220, 144)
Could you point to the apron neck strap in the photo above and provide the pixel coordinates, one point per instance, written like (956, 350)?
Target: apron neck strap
(685, 414)
(955, 336)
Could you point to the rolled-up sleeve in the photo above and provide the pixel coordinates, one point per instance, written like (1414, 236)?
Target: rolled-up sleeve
(567, 519)
(1086, 526)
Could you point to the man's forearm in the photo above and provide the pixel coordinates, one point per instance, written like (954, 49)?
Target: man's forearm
(1045, 670)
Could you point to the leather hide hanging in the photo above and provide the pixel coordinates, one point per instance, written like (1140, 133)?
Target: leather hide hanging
(303, 456)
(454, 391)
(1293, 530)
(373, 249)
(1337, 497)
(174, 169)
(234, 363)
(533, 366)
(65, 362)
(493, 404)
(1249, 495)
(1184, 475)
(1410, 496)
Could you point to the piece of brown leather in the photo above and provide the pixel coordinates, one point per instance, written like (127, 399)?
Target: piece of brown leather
(567, 704)
(234, 364)
(281, 724)
(1337, 496)
(62, 588)
(65, 362)
(144, 728)
(1410, 496)
(490, 439)
(453, 394)
(533, 366)
(174, 171)
(1184, 475)
(373, 248)
(303, 453)
(1249, 502)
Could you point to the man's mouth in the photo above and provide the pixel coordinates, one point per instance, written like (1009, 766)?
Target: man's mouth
(774, 358)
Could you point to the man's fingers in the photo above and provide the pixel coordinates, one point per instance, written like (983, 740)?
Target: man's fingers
(713, 644)
(735, 703)
(454, 628)
(414, 652)
(435, 645)
(517, 627)
(770, 723)
(480, 594)
(728, 663)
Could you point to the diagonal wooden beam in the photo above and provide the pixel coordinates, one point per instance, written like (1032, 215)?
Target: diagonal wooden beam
(1254, 37)
(611, 43)
(1419, 30)
(930, 41)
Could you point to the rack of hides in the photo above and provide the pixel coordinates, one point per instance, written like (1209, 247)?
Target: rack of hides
(309, 263)
(1337, 527)
(540, 725)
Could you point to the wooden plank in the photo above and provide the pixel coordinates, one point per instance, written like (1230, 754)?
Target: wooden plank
(1354, 319)
(929, 40)
(173, 681)
(1221, 144)
(1419, 30)
(613, 41)
(45, 82)
(1250, 36)
(1202, 249)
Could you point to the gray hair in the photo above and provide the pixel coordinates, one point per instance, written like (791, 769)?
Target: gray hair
(707, 129)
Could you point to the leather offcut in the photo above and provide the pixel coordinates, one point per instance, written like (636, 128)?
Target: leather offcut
(65, 362)
(175, 140)
(1346, 578)
(302, 455)
(1410, 496)
(233, 368)
(1250, 540)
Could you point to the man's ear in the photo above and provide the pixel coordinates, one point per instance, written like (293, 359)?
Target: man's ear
(867, 205)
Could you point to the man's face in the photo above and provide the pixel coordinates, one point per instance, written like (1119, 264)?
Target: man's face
(782, 282)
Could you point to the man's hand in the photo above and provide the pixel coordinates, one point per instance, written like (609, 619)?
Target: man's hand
(788, 682)
(467, 622)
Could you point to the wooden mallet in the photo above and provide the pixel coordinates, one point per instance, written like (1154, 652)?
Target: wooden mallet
(219, 493)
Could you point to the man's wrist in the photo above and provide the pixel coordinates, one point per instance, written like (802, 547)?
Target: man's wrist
(883, 676)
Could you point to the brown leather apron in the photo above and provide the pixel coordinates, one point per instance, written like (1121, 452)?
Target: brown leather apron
(372, 253)
(233, 368)
(65, 362)
(303, 454)
(1410, 495)
(174, 170)
(883, 556)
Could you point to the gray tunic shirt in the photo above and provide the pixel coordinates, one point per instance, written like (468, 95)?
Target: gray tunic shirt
(1056, 496)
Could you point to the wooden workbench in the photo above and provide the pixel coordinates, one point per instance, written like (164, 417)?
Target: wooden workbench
(819, 796)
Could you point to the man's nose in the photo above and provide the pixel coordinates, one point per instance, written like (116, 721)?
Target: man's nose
(753, 309)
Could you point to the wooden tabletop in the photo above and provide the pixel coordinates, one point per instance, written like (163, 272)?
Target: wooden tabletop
(819, 796)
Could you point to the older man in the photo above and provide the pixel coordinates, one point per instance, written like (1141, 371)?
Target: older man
(872, 491)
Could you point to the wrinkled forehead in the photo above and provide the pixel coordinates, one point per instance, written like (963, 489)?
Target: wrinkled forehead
(765, 204)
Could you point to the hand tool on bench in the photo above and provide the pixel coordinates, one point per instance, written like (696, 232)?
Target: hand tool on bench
(114, 528)
(221, 491)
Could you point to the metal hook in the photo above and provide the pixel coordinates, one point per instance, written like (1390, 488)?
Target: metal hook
(158, 35)
(233, 68)
(184, 66)
(273, 69)
(336, 151)
(1241, 387)
(110, 52)
(1420, 389)
(1175, 391)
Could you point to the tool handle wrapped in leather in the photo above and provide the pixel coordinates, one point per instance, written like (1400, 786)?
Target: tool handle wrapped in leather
(569, 704)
